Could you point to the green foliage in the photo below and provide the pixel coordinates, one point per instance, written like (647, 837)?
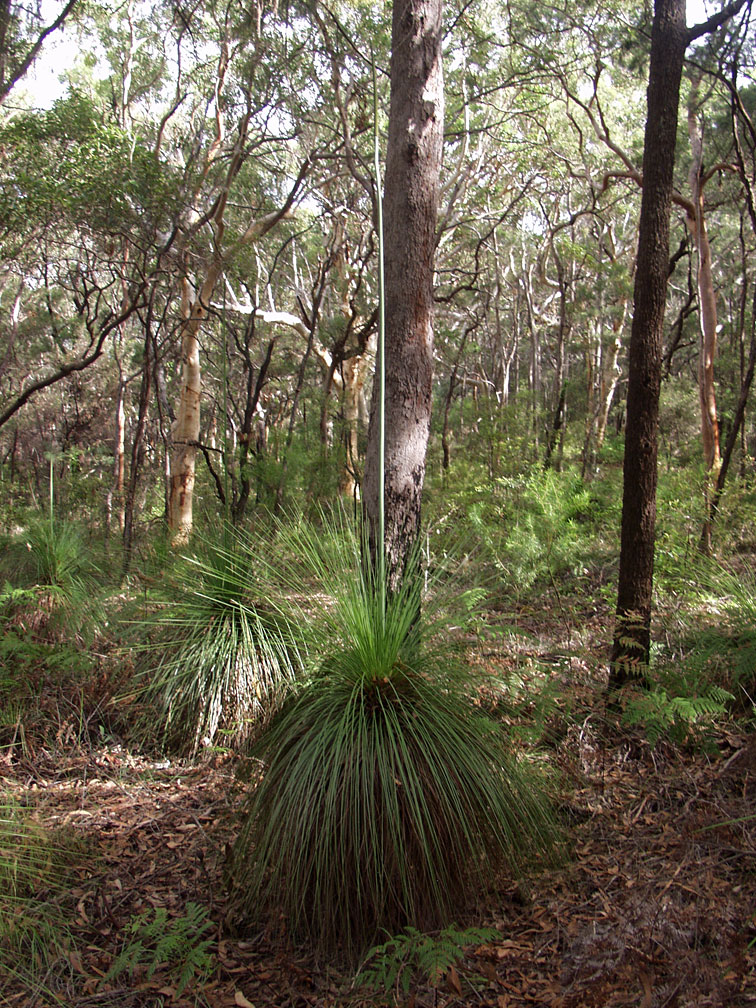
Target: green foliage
(49, 614)
(388, 797)
(717, 646)
(679, 719)
(222, 658)
(24, 661)
(680, 514)
(154, 941)
(530, 529)
(53, 554)
(74, 164)
(34, 863)
(420, 957)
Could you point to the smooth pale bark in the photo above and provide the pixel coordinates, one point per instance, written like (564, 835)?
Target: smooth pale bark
(120, 454)
(610, 377)
(707, 302)
(707, 315)
(603, 377)
(413, 161)
(186, 429)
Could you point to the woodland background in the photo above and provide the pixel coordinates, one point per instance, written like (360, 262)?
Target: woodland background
(155, 458)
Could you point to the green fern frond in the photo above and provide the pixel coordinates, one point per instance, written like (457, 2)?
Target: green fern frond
(661, 715)
(158, 942)
(424, 957)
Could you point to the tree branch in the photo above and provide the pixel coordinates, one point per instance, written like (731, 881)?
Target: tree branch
(7, 86)
(715, 21)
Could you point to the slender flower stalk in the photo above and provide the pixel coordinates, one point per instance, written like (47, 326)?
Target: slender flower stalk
(381, 351)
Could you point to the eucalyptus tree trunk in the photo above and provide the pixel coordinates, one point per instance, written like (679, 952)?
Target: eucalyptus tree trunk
(632, 637)
(413, 161)
(194, 312)
(116, 492)
(137, 449)
(186, 429)
(669, 40)
(356, 371)
(555, 435)
(707, 313)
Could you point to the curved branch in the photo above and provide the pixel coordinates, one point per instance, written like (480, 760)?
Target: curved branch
(715, 21)
(113, 322)
(7, 86)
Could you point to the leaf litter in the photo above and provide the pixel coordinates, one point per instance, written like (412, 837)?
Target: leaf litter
(655, 906)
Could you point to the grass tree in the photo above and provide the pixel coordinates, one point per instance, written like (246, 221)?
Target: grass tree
(221, 658)
(387, 797)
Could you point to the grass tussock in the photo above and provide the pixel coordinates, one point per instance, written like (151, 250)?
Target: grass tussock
(221, 657)
(388, 797)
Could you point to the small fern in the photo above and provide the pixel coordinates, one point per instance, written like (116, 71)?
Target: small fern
(155, 941)
(412, 954)
(674, 717)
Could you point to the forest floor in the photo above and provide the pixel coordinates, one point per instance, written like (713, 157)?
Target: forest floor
(654, 907)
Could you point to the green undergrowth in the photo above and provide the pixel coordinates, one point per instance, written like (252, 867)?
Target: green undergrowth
(152, 940)
(53, 633)
(412, 958)
(35, 872)
(529, 530)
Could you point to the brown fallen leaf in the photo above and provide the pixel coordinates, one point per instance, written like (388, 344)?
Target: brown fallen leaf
(75, 960)
(241, 1001)
(454, 981)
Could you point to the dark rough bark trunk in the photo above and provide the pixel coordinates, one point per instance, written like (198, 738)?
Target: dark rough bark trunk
(555, 436)
(630, 654)
(413, 160)
(254, 387)
(453, 382)
(166, 418)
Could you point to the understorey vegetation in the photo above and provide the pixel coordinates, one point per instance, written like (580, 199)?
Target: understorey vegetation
(377, 495)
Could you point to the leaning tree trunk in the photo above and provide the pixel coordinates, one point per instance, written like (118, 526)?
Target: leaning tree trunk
(632, 637)
(707, 314)
(413, 160)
